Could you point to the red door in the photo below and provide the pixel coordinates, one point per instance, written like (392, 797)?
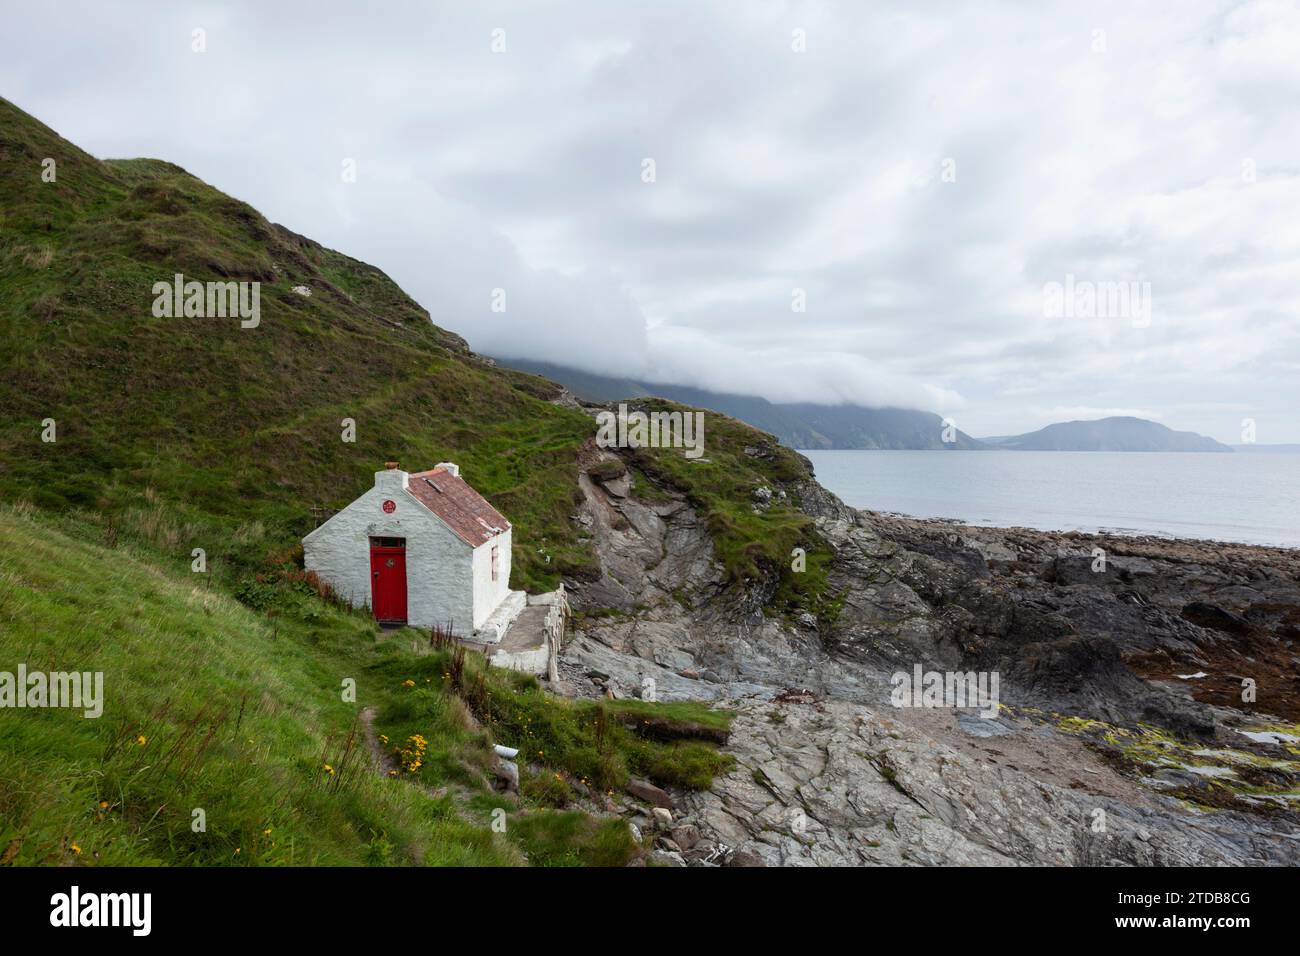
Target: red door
(388, 583)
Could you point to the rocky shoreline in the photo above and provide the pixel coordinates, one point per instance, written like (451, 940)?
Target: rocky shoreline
(1129, 731)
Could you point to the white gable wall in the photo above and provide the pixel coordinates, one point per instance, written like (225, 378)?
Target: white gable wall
(488, 593)
(440, 567)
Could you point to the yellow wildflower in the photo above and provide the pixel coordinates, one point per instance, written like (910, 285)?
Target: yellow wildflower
(141, 739)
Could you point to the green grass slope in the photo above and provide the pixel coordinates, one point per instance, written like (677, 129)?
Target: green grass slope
(223, 689)
(236, 434)
(232, 422)
(206, 708)
(228, 737)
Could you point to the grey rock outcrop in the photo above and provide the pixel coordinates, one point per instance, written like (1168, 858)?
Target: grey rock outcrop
(1099, 756)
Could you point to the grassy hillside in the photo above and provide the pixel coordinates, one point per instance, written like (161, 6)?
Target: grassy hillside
(206, 706)
(240, 424)
(223, 689)
(210, 706)
(237, 433)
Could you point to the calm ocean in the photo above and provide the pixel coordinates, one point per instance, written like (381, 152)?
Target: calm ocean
(1253, 498)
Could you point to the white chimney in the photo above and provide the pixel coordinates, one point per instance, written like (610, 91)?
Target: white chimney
(450, 466)
(392, 478)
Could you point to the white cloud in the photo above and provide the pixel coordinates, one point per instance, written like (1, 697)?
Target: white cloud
(1169, 157)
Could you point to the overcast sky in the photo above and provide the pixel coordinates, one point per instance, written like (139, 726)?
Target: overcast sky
(916, 173)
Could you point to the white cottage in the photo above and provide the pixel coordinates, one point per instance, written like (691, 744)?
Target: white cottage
(422, 549)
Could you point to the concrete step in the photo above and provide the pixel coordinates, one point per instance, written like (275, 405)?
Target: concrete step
(499, 621)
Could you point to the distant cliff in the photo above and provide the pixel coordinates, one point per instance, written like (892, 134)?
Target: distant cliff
(797, 425)
(1107, 434)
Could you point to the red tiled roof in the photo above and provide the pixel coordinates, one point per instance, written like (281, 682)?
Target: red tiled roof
(464, 510)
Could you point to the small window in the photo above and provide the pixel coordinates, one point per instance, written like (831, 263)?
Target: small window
(494, 562)
(388, 542)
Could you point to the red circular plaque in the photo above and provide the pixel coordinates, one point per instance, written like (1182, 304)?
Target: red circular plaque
(390, 506)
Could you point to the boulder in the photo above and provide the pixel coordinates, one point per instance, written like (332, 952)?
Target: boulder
(686, 836)
(1215, 618)
(507, 775)
(644, 790)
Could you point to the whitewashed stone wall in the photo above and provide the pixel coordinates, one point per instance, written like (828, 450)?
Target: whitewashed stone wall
(488, 593)
(441, 569)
